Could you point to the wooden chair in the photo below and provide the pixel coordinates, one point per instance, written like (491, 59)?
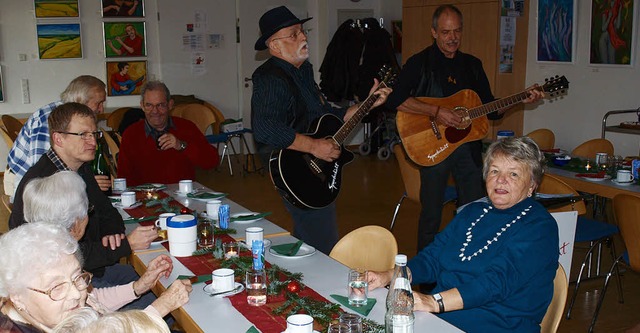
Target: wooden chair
(553, 185)
(115, 118)
(6, 137)
(6, 201)
(13, 126)
(589, 148)
(626, 210)
(552, 318)
(370, 247)
(544, 138)
(199, 114)
(114, 149)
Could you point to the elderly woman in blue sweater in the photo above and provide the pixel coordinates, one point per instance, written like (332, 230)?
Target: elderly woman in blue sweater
(495, 263)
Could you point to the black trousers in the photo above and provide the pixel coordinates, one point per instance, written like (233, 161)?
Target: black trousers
(316, 227)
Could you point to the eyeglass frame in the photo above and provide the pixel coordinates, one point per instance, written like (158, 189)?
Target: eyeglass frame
(294, 35)
(159, 106)
(73, 281)
(83, 135)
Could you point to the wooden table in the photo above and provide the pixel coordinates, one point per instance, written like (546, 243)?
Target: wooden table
(605, 188)
(325, 275)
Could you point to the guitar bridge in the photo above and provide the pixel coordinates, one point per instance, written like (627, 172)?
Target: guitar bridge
(434, 127)
(314, 167)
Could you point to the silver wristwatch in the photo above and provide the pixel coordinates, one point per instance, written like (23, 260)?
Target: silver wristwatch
(438, 299)
(183, 145)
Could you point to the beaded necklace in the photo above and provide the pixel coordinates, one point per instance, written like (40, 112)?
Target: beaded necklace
(490, 241)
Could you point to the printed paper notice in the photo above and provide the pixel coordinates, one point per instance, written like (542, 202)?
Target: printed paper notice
(198, 63)
(193, 42)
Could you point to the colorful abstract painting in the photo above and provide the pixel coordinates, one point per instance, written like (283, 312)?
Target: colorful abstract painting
(59, 41)
(556, 25)
(612, 32)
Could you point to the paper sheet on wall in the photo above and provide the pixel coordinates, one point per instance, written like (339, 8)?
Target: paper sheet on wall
(198, 66)
(193, 42)
(507, 30)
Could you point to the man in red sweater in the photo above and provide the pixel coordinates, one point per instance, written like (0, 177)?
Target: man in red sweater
(160, 148)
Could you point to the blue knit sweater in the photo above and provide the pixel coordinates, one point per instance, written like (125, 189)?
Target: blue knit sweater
(508, 286)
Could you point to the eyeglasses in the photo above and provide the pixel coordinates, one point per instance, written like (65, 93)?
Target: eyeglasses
(294, 35)
(60, 291)
(160, 106)
(86, 135)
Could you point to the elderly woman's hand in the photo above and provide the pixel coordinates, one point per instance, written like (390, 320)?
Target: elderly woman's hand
(424, 303)
(160, 265)
(176, 296)
(379, 279)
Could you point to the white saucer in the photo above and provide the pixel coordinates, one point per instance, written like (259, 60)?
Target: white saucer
(119, 205)
(221, 196)
(266, 243)
(209, 290)
(592, 179)
(304, 251)
(158, 242)
(622, 183)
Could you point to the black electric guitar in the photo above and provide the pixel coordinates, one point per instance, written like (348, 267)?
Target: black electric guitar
(309, 182)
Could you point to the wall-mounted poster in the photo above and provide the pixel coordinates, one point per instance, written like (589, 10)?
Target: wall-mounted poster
(1, 86)
(124, 39)
(123, 8)
(56, 8)
(125, 77)
(59, 41)
(556, 27)
(612, 32)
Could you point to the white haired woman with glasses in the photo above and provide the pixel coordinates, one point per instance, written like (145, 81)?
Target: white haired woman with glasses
(42, 281)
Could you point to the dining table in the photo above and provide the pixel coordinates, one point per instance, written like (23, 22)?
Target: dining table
(321, 274)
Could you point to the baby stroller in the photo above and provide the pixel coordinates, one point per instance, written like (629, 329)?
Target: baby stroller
(382, 138)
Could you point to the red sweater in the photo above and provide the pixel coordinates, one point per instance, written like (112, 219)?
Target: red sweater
(141, 162)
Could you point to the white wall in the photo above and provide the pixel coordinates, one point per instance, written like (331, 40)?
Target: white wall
(593, 90)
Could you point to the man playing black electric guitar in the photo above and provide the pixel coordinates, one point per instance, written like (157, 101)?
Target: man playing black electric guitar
(285, 102)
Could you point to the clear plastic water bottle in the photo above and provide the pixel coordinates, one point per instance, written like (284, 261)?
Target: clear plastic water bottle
(399, 317)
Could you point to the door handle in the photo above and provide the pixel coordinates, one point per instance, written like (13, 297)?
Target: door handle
(246, 82)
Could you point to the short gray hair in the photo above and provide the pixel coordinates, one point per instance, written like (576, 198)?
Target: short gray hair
(442, 9)
(32, 247)
(155, 85)
(80, 90)
(59, 199)
(77, 320)
(522, 150)
(86, 320)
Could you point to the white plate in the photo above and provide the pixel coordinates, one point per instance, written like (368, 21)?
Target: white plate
(266, 243)
(151, 187)
(622, 183)
(158, 242)
(183, 194)
(204, 199)
(208, 289)
(595, 179)
(304, 251)
(245, 221)
(119, 205)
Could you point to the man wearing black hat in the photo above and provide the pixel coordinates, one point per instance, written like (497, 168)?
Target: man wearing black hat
(285, 101)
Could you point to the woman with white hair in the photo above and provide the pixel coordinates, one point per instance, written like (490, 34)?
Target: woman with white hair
(42, 281)
(87, 320)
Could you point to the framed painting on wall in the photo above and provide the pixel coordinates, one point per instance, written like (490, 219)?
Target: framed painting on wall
(612, 32)
(125, 77)
(59, 41)
(124, 39)
(56, 8)
(556, 31)
(122, 8)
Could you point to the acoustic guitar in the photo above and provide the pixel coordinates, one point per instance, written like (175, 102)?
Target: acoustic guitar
(307, 181)
(428, 143)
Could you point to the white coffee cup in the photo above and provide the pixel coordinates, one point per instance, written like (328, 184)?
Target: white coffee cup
(119, 185)
(127, 199)
(212, 208)
(186, 186)
(161, 222)
(299, 323)
(624, 176)
(222, 279)
(253, 233)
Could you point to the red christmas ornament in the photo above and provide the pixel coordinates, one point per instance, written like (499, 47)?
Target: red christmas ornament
(293, 287)
(184, 210)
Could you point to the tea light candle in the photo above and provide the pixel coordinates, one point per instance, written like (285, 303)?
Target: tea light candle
(230, 250)
(149, 195)
(588, 166)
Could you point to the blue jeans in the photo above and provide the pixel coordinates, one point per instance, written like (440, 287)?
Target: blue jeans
(316, 227)
(119, 274)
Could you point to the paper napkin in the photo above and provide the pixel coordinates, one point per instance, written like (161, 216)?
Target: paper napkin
(363, 310)
(249, 217)
(290, 249)
(206, 195)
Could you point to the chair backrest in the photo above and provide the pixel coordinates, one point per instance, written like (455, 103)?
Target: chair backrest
(115, 118)
(555, 310)
(589, 148)
(199, 114)
(6, 201)
(6, 137)
(370, 247)
(410, 173)
(114, 149)
(544, 138)
(553, 185)
(13, 126)
(626, 209)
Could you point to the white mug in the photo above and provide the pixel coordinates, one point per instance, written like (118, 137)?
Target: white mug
(222, 279)
(186, 186)
(127, 199)
(299, 323)
(161, 222)
(253, 234)
(119, 185)
(212, 208)
(624, 176)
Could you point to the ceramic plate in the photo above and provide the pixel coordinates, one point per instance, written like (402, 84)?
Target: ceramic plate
(221, 196)
(622, 183)
(119, 205)
(209, 290)
(149, 187)
(158, 240)
(304, 251)
(244, 214)
(591, 179)
(267, 244)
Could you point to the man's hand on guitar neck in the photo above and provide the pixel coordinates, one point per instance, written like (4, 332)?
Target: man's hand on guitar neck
(535, 93)
(324, 149)
(382, 94)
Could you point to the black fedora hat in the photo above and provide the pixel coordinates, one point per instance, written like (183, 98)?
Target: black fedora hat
(274, 20)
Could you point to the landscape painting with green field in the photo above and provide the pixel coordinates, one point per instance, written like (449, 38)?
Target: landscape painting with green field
(59, 41)
(56, 8)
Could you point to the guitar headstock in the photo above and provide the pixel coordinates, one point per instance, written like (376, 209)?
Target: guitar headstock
(387, 75)
(555, 85)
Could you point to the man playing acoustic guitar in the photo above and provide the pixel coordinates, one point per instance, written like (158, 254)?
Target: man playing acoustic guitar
(441, 70)
(285, 102)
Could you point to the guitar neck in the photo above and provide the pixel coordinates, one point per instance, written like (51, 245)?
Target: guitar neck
(362, 111)
(500, 104)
